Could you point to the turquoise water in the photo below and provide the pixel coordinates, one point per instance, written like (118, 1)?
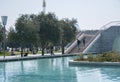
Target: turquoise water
(55, 70)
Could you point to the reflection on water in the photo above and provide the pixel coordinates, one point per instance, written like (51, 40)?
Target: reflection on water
(55, 70)
(98, 74)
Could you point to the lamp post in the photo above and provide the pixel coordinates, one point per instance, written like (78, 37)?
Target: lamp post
(4, 22)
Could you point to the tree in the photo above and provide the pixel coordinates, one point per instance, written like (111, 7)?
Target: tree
(26, 31)
(31, 33)
(42, 30)
(49, 32)
(12, 38)
(68, 31)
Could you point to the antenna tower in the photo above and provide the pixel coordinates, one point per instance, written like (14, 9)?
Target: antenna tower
(44, 6)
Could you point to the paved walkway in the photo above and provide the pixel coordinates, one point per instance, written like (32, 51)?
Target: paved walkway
(31, 56)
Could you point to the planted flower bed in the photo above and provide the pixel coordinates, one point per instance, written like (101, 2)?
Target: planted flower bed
(107, 59)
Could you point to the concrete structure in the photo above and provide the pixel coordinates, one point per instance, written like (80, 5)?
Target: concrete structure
(106, 40)
(87, 63)
(30, 57)
(73, 48)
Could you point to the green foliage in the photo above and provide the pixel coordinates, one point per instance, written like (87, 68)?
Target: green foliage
(108, 56)
(41, 30)
(99, 58)
(26, 30)
(68, 31)
(49, 33)
(90, 57)
(80, 58)
(6, 54)
(105, 57)
(12, 38)
(48, 29)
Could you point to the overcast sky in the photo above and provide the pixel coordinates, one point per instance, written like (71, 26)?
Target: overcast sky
(90, 14)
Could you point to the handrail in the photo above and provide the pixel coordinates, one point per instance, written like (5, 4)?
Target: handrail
(78, 34)
(89, 42)
(112, 23)
(96, 37)
(104, 27)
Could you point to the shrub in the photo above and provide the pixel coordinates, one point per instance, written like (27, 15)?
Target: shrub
(90, 57)
(81, 56)
(99, 58)
(6, 53)
(108, 56)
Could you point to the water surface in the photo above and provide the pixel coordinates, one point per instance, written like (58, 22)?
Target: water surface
(55, 70)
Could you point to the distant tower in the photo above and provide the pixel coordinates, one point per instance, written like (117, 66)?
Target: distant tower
(44, 6)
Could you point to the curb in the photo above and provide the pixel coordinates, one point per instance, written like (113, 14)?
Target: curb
(87, 63)
(34, 57)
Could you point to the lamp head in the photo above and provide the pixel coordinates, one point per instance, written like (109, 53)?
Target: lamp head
(4, 20)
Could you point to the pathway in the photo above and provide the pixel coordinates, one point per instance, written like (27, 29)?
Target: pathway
(31, 56)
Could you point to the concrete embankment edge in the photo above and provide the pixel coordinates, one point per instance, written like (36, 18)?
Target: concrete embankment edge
(87, 63)
(34, 57)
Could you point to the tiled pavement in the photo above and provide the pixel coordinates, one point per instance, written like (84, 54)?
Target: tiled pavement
(31, 56)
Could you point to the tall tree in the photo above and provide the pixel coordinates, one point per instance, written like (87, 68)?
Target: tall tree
(68, 31)
(48, 30)
(12, 38)
(26, 31)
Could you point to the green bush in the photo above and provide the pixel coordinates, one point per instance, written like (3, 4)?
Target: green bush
(99, 58)
(6, 53)
(111, 56)
(105, 57)
(90, 57)
(81, 56)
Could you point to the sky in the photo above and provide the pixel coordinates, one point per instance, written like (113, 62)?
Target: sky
(90, 14)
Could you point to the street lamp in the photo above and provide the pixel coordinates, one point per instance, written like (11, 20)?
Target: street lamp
(4, 22)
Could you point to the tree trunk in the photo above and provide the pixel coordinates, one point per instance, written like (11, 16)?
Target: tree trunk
(62, 46)
(21, 51)
(63, 50)
(42, 51)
